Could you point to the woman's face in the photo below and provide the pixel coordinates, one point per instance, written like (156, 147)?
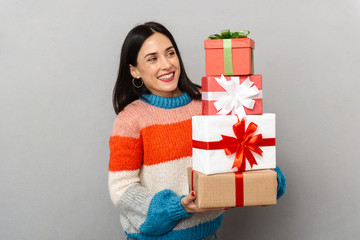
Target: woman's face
(158, 66)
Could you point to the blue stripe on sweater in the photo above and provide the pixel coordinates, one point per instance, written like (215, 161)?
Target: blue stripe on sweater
(166, 102)
(197, 232)
(281, 189)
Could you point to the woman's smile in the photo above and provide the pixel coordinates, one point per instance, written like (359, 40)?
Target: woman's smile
(167, 77)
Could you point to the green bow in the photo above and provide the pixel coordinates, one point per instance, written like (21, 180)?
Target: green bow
(226, 34)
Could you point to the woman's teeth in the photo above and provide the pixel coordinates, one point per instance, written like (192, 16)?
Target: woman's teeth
(165, 77)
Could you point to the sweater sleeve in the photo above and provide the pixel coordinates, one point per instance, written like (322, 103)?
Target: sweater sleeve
(281, 189)
(141, 209)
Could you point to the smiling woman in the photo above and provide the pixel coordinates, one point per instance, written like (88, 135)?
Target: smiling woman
(158, 66)
(150, 49)
(151, 144)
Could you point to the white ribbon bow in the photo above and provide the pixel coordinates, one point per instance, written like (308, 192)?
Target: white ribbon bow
(237, 96)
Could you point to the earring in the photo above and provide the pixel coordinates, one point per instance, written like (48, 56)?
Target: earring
(137, 86)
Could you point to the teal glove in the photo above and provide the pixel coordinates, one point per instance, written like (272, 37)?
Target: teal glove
(281, 189)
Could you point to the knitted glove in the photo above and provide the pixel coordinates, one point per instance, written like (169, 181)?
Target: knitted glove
(281, 189)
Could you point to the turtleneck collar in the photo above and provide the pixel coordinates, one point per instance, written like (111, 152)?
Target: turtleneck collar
(166, 102)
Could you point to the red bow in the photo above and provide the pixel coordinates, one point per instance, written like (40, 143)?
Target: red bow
(242, 144)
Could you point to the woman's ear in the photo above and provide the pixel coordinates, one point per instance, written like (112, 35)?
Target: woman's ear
(134, 72)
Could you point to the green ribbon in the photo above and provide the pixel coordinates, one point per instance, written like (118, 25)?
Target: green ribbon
(226, 34)
(227, 57)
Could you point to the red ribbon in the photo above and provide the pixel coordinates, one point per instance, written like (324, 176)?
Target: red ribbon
(239, 189)
(243, 145)
(192, 180)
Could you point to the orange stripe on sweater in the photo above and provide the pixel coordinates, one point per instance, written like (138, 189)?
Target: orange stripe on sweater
(125, 153)
(163, 143)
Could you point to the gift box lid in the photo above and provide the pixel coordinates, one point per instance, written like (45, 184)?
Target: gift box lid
(235, 43)
(210, 84)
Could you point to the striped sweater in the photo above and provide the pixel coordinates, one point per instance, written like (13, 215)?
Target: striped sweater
(150, 150)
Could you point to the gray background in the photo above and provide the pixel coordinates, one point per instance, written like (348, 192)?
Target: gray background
(58, 65)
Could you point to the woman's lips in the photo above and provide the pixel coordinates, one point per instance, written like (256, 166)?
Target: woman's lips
(167, 77)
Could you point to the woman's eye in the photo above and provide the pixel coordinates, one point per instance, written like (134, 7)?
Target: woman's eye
(152, 59)
(171, 53)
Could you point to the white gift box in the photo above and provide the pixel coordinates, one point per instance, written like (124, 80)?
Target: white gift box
(208, 129)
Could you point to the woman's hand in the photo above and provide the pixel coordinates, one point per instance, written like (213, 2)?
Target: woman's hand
(188, 203)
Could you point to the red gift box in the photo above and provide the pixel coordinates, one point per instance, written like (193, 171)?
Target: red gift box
(212, 91)
(238, 57)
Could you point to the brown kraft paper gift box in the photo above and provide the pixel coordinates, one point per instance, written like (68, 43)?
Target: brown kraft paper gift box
(255, 188)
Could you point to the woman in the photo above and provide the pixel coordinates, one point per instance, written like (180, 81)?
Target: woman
(150, 146)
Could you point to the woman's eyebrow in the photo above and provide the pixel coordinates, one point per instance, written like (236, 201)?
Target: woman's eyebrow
(154, 53)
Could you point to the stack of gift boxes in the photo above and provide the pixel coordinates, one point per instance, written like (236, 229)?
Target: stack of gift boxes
(233, 141)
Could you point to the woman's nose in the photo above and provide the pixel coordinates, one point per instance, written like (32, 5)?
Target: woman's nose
(165, 63)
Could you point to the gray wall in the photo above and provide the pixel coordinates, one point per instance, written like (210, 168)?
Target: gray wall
(58, 64)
